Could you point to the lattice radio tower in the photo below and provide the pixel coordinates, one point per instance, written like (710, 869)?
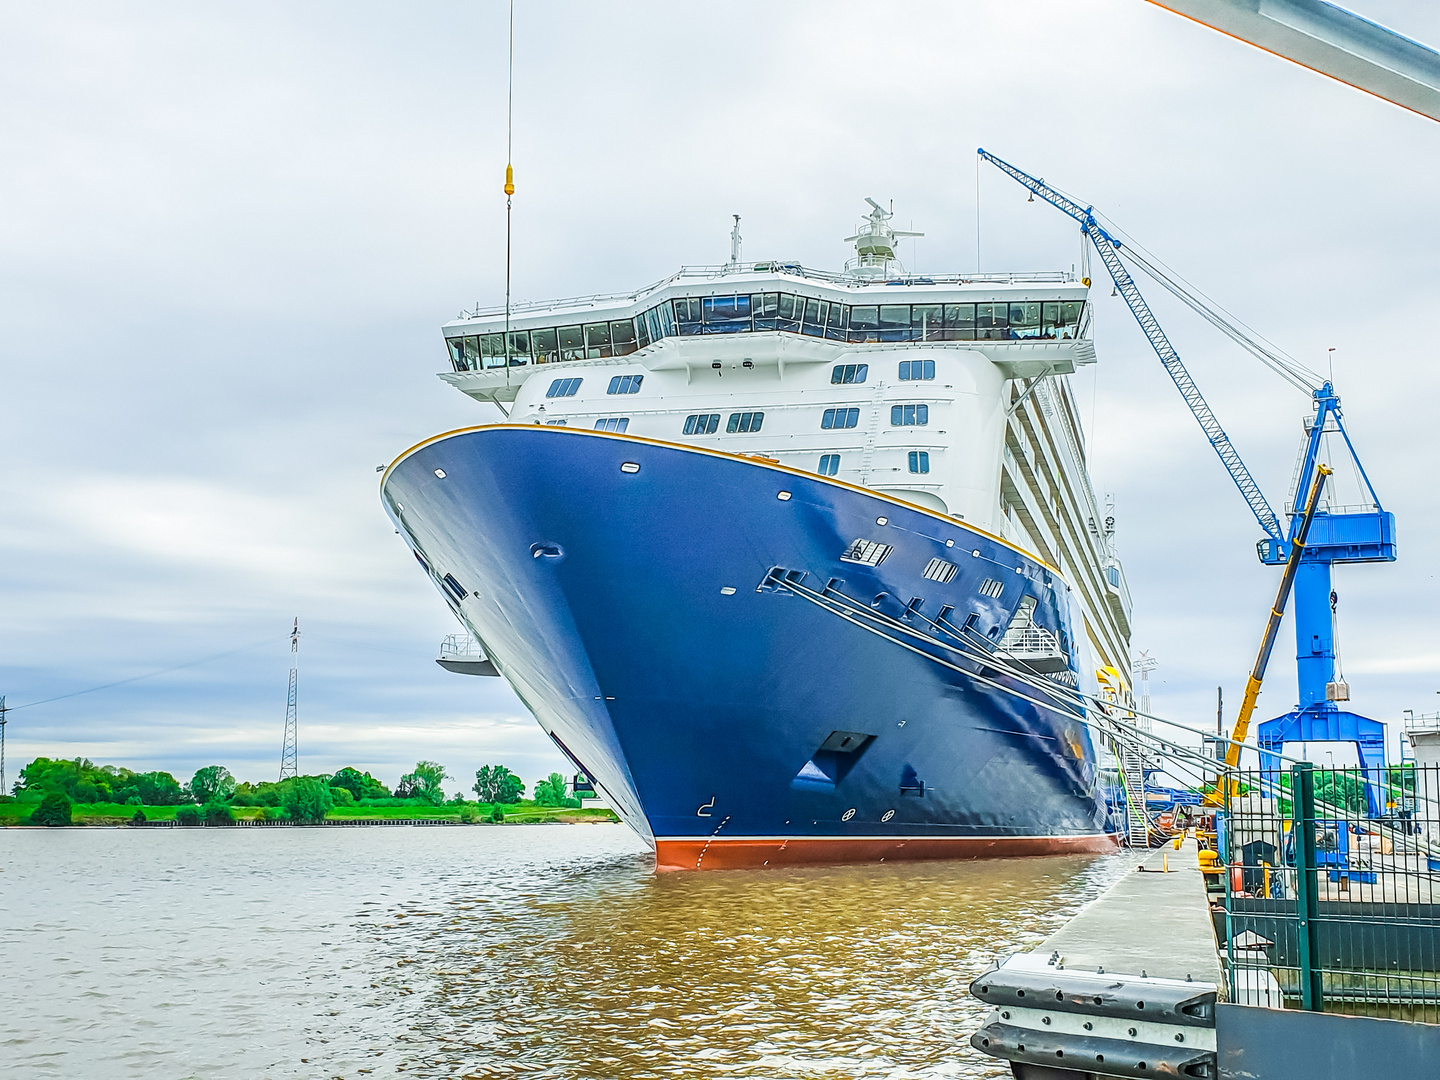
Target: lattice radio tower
(290, 752)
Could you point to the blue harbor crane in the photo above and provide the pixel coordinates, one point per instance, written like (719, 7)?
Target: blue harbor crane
(1335, 535)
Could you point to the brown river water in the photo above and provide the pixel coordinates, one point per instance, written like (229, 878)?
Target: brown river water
(517, 951)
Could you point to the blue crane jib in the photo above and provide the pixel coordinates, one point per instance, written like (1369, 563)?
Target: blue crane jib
(1335, 537)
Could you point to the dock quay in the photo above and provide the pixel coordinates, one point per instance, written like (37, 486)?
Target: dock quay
(1256, 951)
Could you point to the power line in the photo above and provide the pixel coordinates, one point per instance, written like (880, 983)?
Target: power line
(138, 678)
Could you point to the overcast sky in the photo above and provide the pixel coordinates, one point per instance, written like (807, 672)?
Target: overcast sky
(229, 234)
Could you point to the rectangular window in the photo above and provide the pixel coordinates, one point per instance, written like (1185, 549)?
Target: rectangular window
(456, 347)
(959, 322)
(642, 332)
(702, 424)
(492, 350)
(597, 340)
(745, 421)
(916, 369)
(835, 325)
(919, 461)
(1060, 319)
(546, 346)
(764, 309)
(557, 423)
(519, 347)
(1025, 320)
(625, 384)
(992, 322)
(866, 552)
(563, 388)
(865, 323)
(612, 423)
(895, 322)
(928, 322)
(472, 354)
(572, 343)
(622, 337)
(814, 318)
(845, 374)
(909, 415)
(992, 588)
(687, 314)
(839, 418)
(829, 464)
(726, 314)
(940, 570)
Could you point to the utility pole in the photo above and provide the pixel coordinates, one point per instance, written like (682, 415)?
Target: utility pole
(3, 789)
(290, 751)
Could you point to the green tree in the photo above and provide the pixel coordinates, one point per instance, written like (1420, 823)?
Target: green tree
(423, 783)
(550, 791)
(361, 785)
(139, 818)
(218, 813)
(211, 784)
(188, 815)
(497, 784)
(341, 795)
(306, 799)
(159, 789)
(54, 809)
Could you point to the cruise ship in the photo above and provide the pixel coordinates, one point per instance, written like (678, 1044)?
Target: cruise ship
(796, 566)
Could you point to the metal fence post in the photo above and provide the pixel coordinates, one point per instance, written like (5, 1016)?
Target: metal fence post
(1307, 885)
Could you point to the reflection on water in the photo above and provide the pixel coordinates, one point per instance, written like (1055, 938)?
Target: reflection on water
(520, 951)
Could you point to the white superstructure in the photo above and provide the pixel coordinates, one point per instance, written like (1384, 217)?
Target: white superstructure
(951, 393)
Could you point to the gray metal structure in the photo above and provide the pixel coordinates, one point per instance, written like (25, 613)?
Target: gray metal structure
(1330, 40)
(290, 749)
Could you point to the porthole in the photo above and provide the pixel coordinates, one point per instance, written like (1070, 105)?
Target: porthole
(882, 521)
(949, 543)
(728, 590)
(783, 496)
(848, 814)
(630, 467)
(887, 815)
(976, 553)
(440, 473)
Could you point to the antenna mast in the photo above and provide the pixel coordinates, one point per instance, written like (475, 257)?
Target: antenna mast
(290, 751)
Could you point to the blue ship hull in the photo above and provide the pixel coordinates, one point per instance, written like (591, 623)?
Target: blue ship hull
(681, 623)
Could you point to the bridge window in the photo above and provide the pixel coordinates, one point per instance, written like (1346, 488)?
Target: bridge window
(546, 346)
(909, 415)
(919, 461)
(572, 342)
(744, 313)
(625, 384)
(702, 424)
(725, 314)
(845, 374)
(612, 423)
(1024, 320)
(829, 464)
(916, 369)
(563, 388)
(839, 418)
(745, 421)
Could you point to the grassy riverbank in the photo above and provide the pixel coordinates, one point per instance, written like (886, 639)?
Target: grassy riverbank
(523, 812)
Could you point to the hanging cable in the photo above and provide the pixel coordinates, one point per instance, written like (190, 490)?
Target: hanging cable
(509, 180)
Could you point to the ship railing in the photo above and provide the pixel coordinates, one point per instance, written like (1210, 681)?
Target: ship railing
(461, 647)
(1030, 642)
(786, 269)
